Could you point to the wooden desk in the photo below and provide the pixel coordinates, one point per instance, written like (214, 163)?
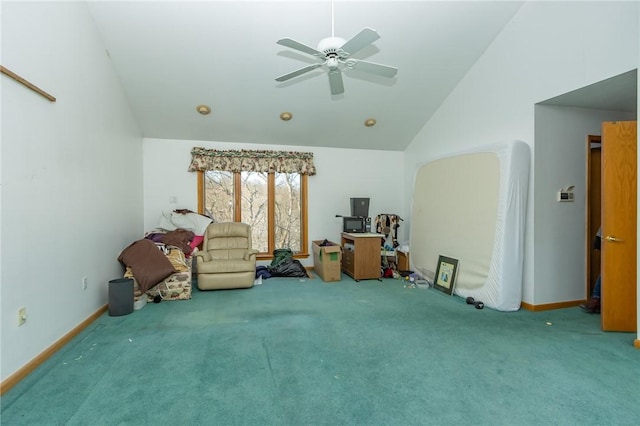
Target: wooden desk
(361, 255)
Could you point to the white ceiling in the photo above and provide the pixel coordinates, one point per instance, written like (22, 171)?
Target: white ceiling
(173, 56)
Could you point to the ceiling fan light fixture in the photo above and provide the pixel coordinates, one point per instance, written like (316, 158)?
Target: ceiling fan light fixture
(370, 122)
(286, 116)
(203, 109)
(332, 63)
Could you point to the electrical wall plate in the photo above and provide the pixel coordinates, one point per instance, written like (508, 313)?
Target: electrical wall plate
(22, 315)
(564, 196)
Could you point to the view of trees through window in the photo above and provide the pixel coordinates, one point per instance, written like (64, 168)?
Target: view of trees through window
(287, 203)
(218, 196)
(224, 192)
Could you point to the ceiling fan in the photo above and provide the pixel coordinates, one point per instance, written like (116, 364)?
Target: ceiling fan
(335, 54)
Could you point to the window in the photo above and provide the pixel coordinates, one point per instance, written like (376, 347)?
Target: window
(266, 189)
(274, 204)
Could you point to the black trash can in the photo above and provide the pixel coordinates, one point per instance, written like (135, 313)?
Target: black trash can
(120, 297)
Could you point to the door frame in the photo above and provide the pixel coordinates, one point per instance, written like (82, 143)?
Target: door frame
(593, 212)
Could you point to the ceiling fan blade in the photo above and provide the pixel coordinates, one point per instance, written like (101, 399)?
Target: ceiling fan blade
(299, 46)
(359, 41)
(372, 68)
(298, 72)
(335, 82)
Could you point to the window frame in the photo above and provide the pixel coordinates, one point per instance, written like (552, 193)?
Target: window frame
(271, 179)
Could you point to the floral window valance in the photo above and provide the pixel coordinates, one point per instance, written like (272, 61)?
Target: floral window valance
(252, 161)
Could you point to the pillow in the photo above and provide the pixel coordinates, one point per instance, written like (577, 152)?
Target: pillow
(165, 222)
(148, 264)
(193, 222)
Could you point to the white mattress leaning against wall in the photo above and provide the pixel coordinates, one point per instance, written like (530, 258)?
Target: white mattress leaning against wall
(471, 206)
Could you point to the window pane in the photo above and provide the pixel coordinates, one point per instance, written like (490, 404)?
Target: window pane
(255, 208)
(218, 195)
(287, 211)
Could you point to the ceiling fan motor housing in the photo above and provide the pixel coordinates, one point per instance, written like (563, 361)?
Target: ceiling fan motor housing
(330, 45)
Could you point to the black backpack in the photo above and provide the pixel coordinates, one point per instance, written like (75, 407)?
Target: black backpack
(280, 256)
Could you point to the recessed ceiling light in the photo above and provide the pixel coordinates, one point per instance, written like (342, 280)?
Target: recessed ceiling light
(369, 122)
(286, 116)
(203, 109)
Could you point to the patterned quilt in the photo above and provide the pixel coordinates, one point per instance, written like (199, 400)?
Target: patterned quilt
(176, 286)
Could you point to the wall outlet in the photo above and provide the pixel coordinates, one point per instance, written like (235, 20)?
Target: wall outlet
(22, 315)
(85, 282)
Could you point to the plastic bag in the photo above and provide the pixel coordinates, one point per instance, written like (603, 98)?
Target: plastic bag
(289, 268)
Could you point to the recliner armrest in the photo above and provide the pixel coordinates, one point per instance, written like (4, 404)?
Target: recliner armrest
(206, 257)
(249, 253)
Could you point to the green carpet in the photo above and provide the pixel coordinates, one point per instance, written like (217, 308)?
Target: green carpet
(292, 352)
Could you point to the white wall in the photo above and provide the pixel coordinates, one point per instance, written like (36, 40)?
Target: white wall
(341, 174)
(559, 241)
(548, 48)
(71, 176)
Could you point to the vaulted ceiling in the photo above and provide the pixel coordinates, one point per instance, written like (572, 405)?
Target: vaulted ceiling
(174, 56)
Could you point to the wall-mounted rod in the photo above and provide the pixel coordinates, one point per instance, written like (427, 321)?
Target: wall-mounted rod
(24, 82)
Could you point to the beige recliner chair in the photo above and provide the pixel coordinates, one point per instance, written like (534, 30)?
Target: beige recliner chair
(226, 259)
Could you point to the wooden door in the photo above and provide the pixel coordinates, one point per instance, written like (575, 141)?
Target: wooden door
(619, 197)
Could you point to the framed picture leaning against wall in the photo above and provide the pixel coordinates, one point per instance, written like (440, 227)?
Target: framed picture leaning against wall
(446, 271)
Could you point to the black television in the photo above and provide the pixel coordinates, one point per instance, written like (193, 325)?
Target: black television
(360, 207)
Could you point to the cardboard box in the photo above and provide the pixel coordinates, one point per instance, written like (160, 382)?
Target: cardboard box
(403, 261)
(327, 261)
